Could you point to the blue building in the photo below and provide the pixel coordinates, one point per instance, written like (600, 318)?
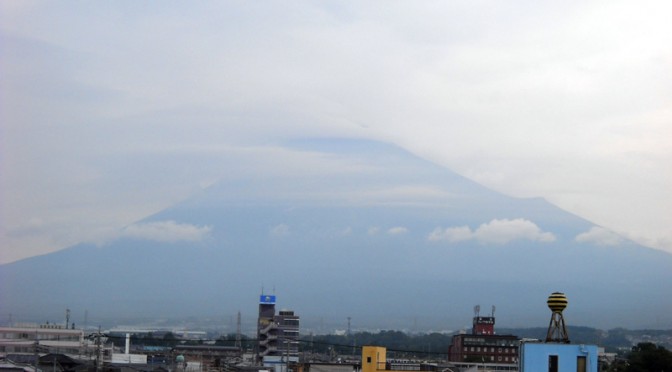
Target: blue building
(557, 357)
(557, 354)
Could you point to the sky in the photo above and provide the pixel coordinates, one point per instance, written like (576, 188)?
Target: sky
(112, 111)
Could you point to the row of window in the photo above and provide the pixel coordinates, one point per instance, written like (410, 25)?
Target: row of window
(40, 336)
(31, 349)
(492, 349)
(488, 342)
(499, 358)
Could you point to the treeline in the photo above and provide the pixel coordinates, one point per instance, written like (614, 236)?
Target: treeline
(645, 357)
(614, 340)
(398, 344)
(403, 345)
(160, 339)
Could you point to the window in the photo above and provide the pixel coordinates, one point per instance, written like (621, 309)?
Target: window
(581, 364)
(368, 359)
(552, 363)
(478, 348)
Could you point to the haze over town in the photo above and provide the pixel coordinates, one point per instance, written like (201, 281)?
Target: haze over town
(114, 111)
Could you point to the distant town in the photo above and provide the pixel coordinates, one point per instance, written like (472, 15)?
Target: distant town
(279, 345)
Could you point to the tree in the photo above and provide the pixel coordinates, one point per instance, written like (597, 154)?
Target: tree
(646, 357)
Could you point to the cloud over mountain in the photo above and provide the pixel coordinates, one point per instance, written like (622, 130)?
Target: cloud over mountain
(338, 256)
(600, 236)
(167, 231)
(494, 232)
(397, 230)
(280, 230)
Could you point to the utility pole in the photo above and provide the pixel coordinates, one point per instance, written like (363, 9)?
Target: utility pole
(238, 334)
(349, 318)
(37, 354)
(286, 355)
(99, 352)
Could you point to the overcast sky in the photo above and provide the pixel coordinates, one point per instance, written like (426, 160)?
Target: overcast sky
(111, 111)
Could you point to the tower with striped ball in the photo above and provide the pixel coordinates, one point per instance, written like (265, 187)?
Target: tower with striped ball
(557, 332)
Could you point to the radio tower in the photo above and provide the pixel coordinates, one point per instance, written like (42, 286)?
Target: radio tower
(239, 344)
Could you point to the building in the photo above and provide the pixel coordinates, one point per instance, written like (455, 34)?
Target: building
(374, 359)
(483, 345)
(557, 354)
(206, 357)
(557, 357)
(44, 339)
(277, 335)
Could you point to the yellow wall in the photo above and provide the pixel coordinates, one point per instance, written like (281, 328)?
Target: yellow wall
(373, 358)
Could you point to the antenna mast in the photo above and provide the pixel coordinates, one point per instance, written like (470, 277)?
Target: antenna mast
(238, 335)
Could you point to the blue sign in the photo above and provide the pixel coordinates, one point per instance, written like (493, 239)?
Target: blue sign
(267, 299)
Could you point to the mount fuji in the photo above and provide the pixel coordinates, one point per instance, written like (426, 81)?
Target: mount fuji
(357, 229)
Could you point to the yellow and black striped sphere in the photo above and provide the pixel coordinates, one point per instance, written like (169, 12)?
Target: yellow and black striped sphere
(557, 302)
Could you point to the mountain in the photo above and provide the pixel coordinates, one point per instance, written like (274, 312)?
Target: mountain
(355, 229)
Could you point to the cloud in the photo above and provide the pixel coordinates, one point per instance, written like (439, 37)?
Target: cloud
(280, 230)
(494, 232)
(397, 230)
(600, 236)
(374, 230)
(453, 71)
(451, 234)
(167, 231)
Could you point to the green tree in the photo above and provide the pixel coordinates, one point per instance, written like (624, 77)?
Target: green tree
(169, 339)
(647, 357)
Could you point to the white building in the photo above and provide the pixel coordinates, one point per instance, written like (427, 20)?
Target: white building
(46, 339)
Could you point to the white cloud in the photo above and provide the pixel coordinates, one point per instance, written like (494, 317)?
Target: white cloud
(280, 230)
(600, 236)
(494, 232)
(397, 230)
(374, 230)
(167, 231)
(451, 234)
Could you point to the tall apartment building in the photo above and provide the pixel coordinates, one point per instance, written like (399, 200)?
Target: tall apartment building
(277, 334)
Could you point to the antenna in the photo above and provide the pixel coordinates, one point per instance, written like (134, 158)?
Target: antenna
(349, 318)
(477, 310)
(493, 311)
(67, 318)
(238, 335)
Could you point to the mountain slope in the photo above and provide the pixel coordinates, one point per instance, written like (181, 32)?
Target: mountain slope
(363, 230)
